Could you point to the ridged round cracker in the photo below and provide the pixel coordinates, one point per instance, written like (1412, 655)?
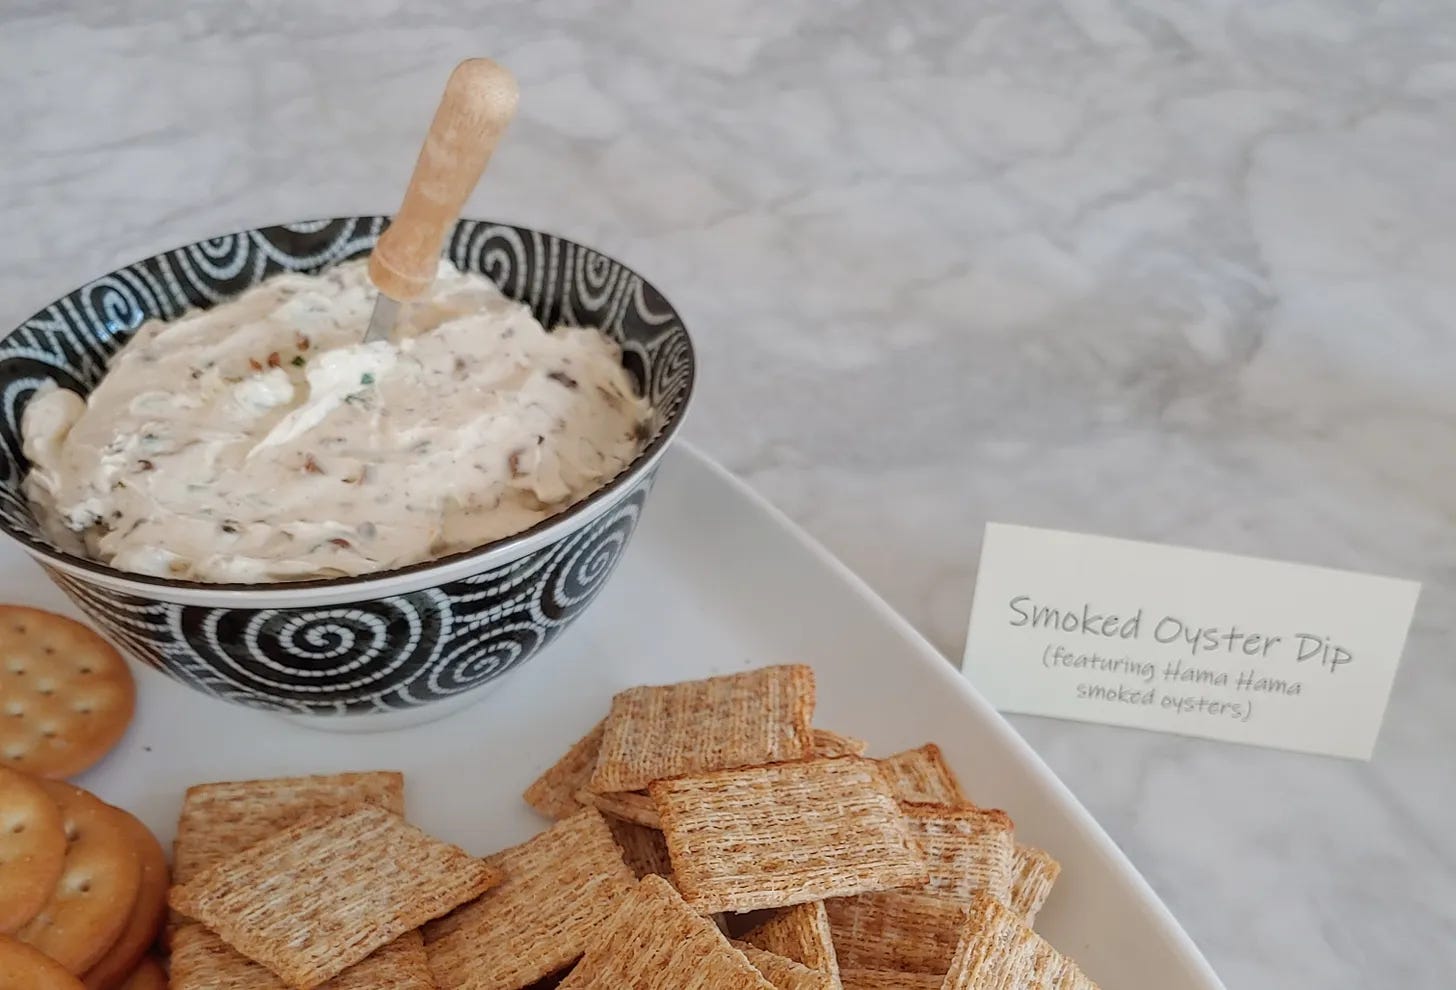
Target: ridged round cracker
(25, 968)
(68, 695)
(146, 916)
(32, 848)
(148, 976)
(99, 882)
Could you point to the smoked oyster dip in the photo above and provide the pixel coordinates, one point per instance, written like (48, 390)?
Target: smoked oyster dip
(262, 440)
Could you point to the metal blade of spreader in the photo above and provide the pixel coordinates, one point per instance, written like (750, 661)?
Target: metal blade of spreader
(382, 321)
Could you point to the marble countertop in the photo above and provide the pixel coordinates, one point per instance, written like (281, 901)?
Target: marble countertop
(1180, 271)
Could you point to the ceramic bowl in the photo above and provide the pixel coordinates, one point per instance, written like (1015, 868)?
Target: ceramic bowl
(417, 638)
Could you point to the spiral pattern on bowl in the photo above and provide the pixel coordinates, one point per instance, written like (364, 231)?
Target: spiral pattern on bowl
(385, 653)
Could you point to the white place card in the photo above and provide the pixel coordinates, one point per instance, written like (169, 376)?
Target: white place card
(1187, 641)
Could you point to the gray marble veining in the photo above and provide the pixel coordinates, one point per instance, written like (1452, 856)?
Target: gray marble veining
(1177, 270)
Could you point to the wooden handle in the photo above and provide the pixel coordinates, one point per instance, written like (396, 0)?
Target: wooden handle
(479, 101)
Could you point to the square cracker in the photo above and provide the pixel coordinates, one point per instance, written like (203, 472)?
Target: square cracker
(224, 818)
(629, 806)
(889, 979)
(800, 933)
(783, 834)
(559, 887)
(319, 896)
(828, 743)
(1033, 873)
(783, 973)
(643, 849)
(748, 719)
(998, 950)
(895, 929)
(554, 792)
(203, 961)
(922, 775)
(968, 849)
(655, 941)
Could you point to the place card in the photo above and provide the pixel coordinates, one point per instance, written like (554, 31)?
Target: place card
(1187, 641)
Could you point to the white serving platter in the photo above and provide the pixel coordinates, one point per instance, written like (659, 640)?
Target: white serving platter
(715, 581)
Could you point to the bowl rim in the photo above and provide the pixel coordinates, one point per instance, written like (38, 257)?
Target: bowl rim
(487, 555)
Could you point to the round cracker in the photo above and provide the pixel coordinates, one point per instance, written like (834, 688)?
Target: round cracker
(25, 968)
(32, 848)
(99, 882)
(148, 976)
(67, 694)
(146, 916)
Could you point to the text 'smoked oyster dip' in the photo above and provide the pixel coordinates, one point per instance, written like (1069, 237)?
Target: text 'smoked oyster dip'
(261, 440)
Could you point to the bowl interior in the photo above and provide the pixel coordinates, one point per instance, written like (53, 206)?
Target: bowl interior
(72, 340)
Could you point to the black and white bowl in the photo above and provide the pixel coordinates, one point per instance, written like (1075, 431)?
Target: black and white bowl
(382, 644)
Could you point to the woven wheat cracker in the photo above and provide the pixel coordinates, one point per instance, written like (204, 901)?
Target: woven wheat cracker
(25, 968)
(145, 920)
(922, 776)
(787, 833)
(654, 941)
(784, 973)
(643, 848)
(895, 929)
(828, 743)
(968, 850)
(203, 961)
(1034, 872)
(68, 695)
(998, 951)
(92, 900)
(32, 848)
(148, 975)
(324, 893)
(629, 806)
(801, 933)
(889, 979)
(222, 819)
(556, 890)
(554, 792)
(748, 719)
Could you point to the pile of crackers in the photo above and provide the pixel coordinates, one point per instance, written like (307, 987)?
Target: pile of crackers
(308, 882)
(83, 885)
(83, 890)
(768, 853)
(705, 835)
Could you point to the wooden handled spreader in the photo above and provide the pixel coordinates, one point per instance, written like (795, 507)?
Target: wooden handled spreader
(480, 100)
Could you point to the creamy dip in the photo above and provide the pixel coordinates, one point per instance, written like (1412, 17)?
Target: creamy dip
(261, 440)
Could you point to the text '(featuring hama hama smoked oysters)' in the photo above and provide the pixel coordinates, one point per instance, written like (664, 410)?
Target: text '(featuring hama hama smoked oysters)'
(263, 440)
